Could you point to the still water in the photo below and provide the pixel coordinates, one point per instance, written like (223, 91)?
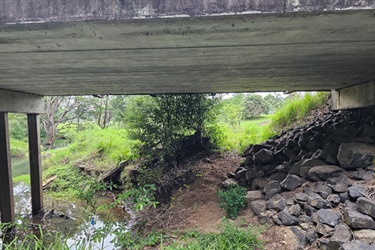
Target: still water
(80, 227)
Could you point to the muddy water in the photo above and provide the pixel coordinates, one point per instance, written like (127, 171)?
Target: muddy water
(80, 227)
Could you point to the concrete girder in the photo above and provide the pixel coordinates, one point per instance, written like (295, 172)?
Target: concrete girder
(16, 102)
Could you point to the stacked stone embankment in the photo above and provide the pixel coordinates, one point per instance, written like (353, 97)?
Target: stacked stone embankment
(318, 179)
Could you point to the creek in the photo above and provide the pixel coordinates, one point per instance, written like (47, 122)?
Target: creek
(80, 226)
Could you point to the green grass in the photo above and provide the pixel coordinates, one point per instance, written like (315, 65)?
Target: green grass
(231, 236)
(297, 108)
(18, 148)
(22, 178)
(97, 150)
(248, 132)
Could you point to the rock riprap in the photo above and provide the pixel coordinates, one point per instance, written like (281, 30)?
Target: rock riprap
(317, 179)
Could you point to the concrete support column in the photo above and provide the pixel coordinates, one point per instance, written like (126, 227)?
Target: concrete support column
(6, 183)
(35, 164)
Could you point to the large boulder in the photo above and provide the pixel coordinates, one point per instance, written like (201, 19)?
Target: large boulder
(291, 182)
(305, 163)
(356, 191)
(341, 235)
(358, 220)
(323, 173)
(272, 188)
(328, 217)
(355, 155)
(258, 206)
(263, 157)
(366, 206)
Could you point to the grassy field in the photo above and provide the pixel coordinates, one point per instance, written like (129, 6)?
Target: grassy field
(247, 132)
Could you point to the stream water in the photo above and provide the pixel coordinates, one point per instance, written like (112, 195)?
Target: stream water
(79, 228)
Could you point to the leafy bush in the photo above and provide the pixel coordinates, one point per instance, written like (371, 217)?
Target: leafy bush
(230, 237)
(232, 200)
(162, 122)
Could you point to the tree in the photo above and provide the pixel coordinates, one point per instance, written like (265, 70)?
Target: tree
(231, 110)
(58, 109)
(254, 106)
(274, 102)
(162, 122)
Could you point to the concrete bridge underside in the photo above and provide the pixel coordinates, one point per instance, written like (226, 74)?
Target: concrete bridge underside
(81, 47)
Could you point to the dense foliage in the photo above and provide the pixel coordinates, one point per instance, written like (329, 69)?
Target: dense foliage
(163, 123)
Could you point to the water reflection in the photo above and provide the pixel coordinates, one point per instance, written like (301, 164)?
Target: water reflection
(79, 229)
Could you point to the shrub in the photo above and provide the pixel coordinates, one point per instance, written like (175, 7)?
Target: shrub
(163, 122)
(232, 200)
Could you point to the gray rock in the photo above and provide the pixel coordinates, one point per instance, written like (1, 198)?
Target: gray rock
(309, 210)
(356, 191)
(272, 188)
(362, 175)
(258, 206)
(328, 217)
(351, 205)
(276, 203)
(317, 201)
(324, 229)
(305, 219)
(320, 188)
(278, 176)
(322, 173)
(301, 240)
(340, 187)
(265, 218)
(309, 163)
(263, 157)
(259, 183)
(252, 174)
(366, 235)
(253, 196)
(240, 173)
(366, 206)
(301, 196)
(357, 245)
(294, 210)
(334, 199)
(228, 183)
(344, 197)
(291, 182)
(355, 155)
(311, 235)
(287, 219)
(341, 235)
(358, 220)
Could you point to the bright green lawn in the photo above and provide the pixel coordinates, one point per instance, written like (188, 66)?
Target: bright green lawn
(248, 132)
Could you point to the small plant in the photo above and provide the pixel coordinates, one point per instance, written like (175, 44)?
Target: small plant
(139, 198)
(231, 236)
(232, 200)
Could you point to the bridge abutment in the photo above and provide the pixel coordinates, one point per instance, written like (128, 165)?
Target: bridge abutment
(358, 96)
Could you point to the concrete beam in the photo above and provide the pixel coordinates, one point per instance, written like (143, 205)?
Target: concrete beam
(16, 102)
(359, 96)
(21, 11)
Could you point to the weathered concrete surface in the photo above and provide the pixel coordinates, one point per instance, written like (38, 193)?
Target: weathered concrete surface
(21, 103)
(18, 11)
(362, 95)
(238, 53)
